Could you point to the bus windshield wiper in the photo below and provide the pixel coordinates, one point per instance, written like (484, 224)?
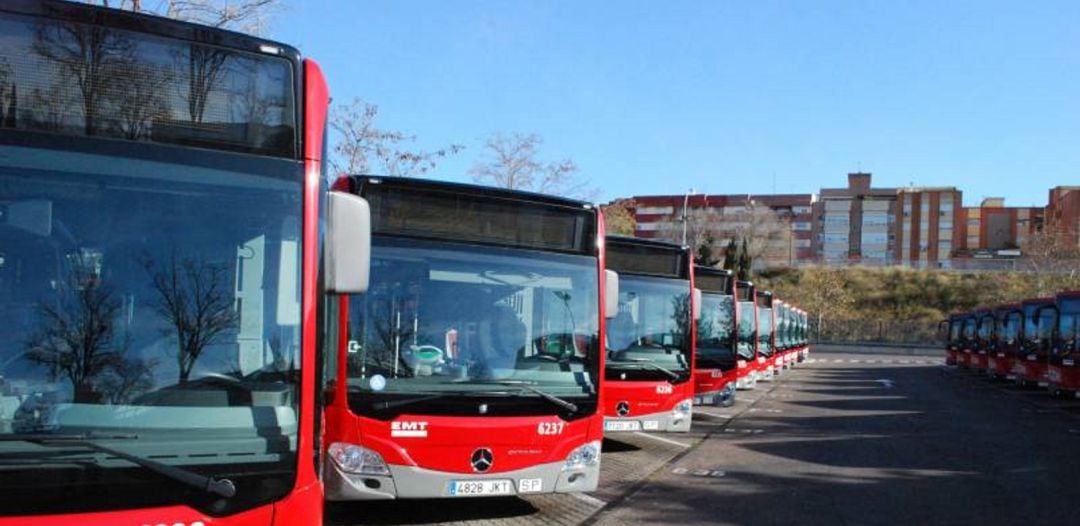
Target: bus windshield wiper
(428, 396)
(223, 487)
(645, 361)
(526, 385)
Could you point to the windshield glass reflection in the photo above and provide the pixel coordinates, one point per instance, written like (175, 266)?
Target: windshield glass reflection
(152, 300)
(449, 319)
(652, 325)
(716, 331)
(747, 330)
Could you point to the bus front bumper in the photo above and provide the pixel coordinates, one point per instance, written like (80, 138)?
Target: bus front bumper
(664, 421)
(411, 482)
(718, 397)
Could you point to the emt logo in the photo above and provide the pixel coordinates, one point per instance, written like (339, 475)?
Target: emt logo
(413, 429)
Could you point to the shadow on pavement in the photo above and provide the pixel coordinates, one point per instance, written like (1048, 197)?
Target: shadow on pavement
(426, 511)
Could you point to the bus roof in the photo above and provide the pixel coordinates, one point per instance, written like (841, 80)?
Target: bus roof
(148, 23)
(357, 181)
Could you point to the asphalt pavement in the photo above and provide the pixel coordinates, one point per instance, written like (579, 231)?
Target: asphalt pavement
(845, 438)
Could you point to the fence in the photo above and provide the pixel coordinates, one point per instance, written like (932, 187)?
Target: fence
(906, 332)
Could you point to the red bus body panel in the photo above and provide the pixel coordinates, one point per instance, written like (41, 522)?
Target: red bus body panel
(713, 380)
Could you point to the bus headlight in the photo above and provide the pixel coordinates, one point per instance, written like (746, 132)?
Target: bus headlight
(586, 456)
(358, 460)
(682, 409)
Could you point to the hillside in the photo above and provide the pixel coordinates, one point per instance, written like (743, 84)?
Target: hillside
(900, 304)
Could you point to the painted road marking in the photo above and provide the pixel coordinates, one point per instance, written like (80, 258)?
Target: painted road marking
(662, 439)
(715, 473)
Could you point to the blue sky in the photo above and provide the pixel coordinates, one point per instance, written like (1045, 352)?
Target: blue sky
(723, 96)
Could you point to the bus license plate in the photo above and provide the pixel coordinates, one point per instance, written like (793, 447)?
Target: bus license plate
(463, 488)
(622, 425)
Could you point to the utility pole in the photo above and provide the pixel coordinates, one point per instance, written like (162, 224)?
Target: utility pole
(685, 218)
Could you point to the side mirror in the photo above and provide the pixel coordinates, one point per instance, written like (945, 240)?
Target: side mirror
(348, 243)
(697, 304)
(611, 293)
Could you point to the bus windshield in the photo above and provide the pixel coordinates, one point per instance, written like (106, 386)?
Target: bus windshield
(985, 327)
(442, 321)
(1047, 318)
(716, 331)
(1069, 324)
(765, 330)
(649, 337)
(1031, 324)
(1008, 327)
(747, 330)
(969, 330)
(149, 299)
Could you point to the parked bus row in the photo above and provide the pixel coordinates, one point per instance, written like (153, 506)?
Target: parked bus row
(199, 330)
(1032, 342)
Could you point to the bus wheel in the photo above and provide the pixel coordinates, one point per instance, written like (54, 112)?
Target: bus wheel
(727, 401)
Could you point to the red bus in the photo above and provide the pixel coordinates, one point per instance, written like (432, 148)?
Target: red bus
(160, 289)
(472, 366)
(785, 328)
(766, 322)
(746, 319)
(1033, 358)
(715, 363)
(984, 335)
(954, 326)
(1008, 319)
(1063, 373)
(649, 373)
(804, 335)
(967, 341)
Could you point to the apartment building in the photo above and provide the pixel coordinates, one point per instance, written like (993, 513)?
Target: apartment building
(992, 226)
(927, 227)
(923, 227)
(854, 224)
(1063, 210)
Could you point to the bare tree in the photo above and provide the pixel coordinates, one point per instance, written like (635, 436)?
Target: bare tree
(362, 147)
(142, 100)
(78, 339)
(619, 217)
(194, 296)
(1053, 256)
(824, 293)
(88, 54)
(769, 236)
(247, 16)
(513, 163)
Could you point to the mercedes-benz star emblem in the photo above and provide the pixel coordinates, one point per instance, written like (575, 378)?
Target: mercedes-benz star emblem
(482, 459)
(622, 408)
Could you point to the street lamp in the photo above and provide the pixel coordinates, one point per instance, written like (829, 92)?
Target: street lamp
(685, 219)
